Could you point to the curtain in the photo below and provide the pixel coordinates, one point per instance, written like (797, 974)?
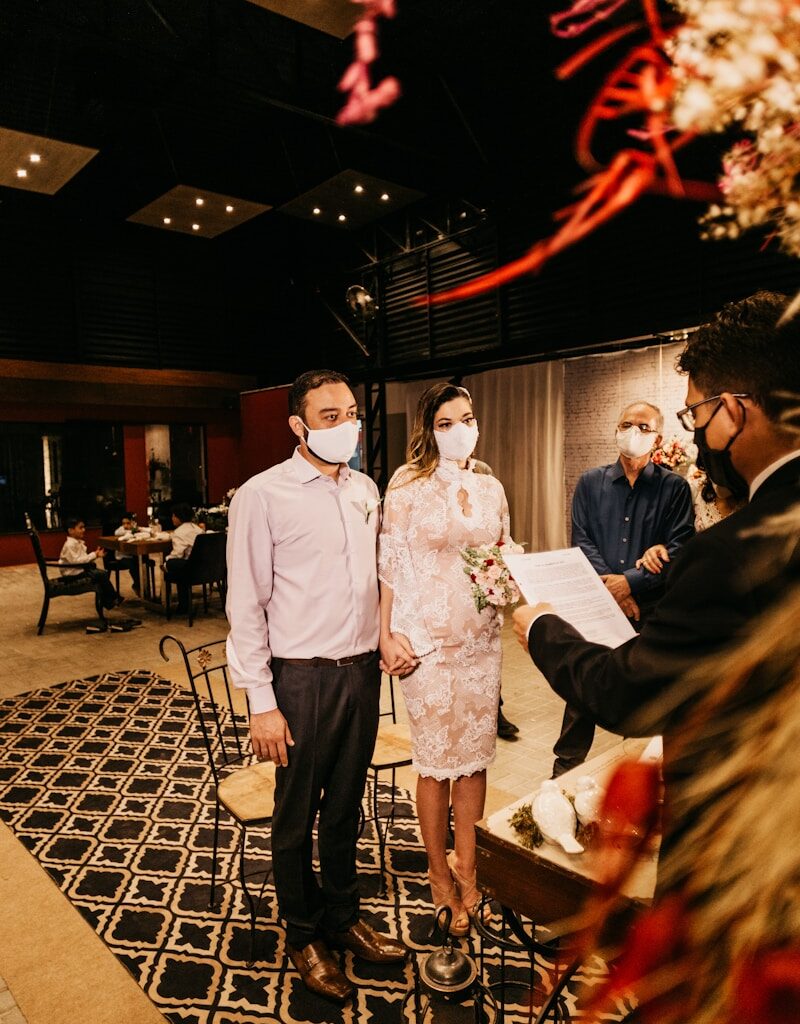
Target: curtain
(520, 414)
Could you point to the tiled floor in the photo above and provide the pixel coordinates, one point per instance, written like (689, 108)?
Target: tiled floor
(64, 652)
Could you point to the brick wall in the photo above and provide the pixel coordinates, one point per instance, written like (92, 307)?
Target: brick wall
(598, 387)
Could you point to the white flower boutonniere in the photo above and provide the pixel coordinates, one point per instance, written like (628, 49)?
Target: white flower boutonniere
(370, 505)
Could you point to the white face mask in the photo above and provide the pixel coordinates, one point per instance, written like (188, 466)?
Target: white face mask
(633, 443)
(457, 443)
(334, 445)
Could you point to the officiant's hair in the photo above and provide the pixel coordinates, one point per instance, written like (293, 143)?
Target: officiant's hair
(422, 454)
(751, 346)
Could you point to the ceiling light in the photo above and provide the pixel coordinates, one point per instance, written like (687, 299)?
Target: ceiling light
(229, 208)
(168, 220)
(199, 201)
(462, 215)
(35, 158)
(195, 227)
(359, 189)
(342, 218)
(21, 172)
(385, 196)
(316, 211)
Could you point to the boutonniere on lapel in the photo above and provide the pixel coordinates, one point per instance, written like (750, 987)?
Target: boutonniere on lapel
(368, 506)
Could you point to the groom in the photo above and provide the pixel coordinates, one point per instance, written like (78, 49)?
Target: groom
(303, 609)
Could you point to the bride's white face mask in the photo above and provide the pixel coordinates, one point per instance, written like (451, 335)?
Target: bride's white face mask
(458, 442)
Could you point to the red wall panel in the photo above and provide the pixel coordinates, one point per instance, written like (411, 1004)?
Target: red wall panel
(222, 468)
(137, 483)
(266, 437)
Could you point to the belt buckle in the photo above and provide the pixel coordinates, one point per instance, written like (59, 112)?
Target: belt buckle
(341, 662)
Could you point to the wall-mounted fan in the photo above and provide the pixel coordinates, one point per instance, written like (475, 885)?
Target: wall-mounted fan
(361, 303)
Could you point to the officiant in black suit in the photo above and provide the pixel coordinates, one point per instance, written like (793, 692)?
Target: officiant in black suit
(743, 378)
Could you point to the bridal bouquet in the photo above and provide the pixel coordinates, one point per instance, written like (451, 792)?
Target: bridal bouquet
(491, 581)
(672, 454)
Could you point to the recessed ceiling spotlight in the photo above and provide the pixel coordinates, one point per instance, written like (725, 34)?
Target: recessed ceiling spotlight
(385, 196)
(199, 201)
(342, 217)
(359, 189)
(21, 172)
(229, 208)
(195, 227)
(463, 215)
(35, 158)
(316, 211)
(168, 220)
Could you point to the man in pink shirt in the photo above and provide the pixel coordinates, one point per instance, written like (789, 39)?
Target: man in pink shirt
(303, 608)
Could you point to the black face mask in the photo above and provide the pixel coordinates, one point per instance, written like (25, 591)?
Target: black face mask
(717, 462)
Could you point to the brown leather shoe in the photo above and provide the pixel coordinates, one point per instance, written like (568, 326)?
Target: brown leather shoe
(320, 972)
(363, 941)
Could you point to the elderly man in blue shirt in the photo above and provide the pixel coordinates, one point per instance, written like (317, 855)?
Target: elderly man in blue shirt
(618, 512)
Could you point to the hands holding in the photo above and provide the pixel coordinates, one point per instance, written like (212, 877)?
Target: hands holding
(397, 655)
(270, 735)
(653, 559)
(617, 585)
(630, 608)
(523, 617)
(100, 552)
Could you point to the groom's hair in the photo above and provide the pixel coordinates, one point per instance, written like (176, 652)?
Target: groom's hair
(309, 381)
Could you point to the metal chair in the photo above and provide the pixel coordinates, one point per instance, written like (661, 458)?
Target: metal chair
(246, 791)
(59, 586)
(391, 752)
(206, 566)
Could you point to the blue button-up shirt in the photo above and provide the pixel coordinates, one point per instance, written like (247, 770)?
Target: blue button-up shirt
(614, 523)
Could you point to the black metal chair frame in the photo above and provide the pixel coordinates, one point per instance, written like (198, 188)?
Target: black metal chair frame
(227, 745)
(218, 581)
(66, 589)
(390, 815)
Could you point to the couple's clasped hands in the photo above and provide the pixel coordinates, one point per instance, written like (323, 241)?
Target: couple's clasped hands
(397, 655)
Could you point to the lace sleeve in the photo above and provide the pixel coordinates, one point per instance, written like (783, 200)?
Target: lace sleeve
(505, 519)
(393, 543)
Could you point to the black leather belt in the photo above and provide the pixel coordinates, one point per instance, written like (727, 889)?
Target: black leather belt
(355, 659)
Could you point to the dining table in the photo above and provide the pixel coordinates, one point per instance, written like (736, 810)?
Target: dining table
(141, 546)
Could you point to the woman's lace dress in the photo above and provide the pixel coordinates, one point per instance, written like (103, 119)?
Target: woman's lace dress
(452, 697)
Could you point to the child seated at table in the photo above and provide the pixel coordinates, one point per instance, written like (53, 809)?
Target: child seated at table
(76, 553)
(183, 537)
(129, 562)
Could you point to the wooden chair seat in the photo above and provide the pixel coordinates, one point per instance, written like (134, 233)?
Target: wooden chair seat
(249, 793)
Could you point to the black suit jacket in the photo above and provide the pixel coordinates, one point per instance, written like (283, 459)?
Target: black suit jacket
(718, 584)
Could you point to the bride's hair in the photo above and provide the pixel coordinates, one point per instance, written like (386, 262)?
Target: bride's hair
(422, 454)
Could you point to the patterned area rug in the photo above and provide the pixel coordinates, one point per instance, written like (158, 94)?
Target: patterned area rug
(105, 781)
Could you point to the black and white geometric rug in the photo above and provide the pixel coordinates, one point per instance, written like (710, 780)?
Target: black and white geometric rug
(105, 781)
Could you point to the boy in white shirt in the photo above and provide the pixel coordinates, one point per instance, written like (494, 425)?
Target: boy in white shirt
(75, 552)
(183, 538)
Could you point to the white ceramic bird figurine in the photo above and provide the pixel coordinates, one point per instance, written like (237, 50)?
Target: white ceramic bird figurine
(588, 799)
(555, 816)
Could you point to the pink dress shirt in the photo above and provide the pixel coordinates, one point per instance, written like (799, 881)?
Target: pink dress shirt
(302, 573)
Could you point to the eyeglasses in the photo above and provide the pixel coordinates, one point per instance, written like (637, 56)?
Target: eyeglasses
(645, 428)
(686, 416)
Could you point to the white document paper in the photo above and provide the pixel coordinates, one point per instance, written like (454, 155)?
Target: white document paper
(567, 581)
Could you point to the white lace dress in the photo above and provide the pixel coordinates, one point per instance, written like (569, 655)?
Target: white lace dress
(452, 697)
